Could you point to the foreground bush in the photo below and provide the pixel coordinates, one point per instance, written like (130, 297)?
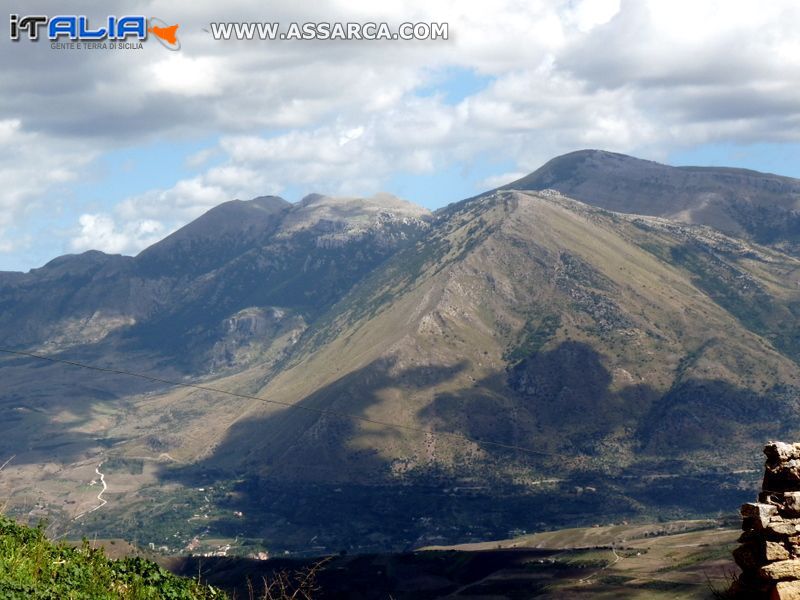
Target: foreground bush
(34, 568)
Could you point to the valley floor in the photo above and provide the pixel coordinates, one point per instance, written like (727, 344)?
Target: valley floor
(683, 560)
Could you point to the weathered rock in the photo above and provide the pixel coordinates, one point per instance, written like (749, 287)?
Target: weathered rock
(748, 557)
(781, 452)
(749, 536)
(751, 586)
(782, 469)
(753, 524)
(757, 509)
(784, 570)
(756, 515)
(791, 504)
(786, 590)
(774, 551)
(781, 529)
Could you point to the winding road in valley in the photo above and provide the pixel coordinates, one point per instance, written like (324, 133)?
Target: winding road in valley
(102, 500)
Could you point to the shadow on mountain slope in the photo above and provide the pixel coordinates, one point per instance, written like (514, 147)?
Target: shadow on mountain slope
(559, 400)
(48, 408)
(564, 401)
(298, 471)
(299, 476)
(715, 415)
(311, 440)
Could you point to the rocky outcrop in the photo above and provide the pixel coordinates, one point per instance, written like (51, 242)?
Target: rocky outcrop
(254, 333)
(769, 554)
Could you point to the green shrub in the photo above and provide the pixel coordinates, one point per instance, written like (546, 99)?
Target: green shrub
(34, 568)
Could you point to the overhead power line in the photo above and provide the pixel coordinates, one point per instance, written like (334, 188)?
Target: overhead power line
(320, 411)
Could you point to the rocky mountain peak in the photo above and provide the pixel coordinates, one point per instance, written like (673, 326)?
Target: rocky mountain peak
(215, 237)
(353, 216)
(760, 206)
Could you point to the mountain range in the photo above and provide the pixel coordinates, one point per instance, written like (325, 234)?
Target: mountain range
(585, 344)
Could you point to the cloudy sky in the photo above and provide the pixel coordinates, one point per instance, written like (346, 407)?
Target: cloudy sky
(112, 150)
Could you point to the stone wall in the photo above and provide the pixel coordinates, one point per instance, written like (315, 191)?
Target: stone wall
(769, 555)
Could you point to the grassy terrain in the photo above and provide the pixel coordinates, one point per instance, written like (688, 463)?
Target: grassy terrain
(687, 560)
(681, 559)
(31, 566)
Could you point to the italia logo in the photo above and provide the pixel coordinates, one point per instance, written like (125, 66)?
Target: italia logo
(76, 28)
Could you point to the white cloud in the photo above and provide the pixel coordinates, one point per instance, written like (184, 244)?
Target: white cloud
(495, 181)
(588, 14)
(201, 157)
(179, 75)
(638, 76)
(32, 169)
(100, 232)
(186, 200)
(350, 135)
